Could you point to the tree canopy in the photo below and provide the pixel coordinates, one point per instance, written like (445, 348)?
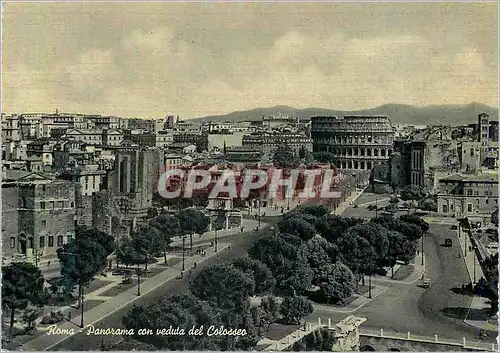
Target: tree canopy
(262, 275)
(225, 286)
(285, 157)
(22, 284)
(294, 309)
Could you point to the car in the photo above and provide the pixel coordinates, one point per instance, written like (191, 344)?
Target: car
(448, 242)
(426, 283)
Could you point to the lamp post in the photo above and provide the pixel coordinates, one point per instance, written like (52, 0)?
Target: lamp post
(215, 240)
(376, 206)
(138, 272)
(422, 251)
(183, 252)
(474, 261)
(370, 285)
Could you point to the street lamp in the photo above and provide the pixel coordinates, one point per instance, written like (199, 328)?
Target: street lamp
(183, 252)
(370, 285)
(474, 261)
(422, 249)
(138, 280)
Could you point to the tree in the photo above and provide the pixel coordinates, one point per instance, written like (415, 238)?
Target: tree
(331, 227)
(337, 283)
(285, 157)
(297, 227)
(22, 284)
(364, 247)
(127, 254)
(317, 253)
(147, 242)
(263, 277)
(286, 258)
(271, 307)
(295, 309)
(416, 220)
(412, 193)
(428, 204)
(325, 157)
(169, 227)
(103, 239)
(225, 286)
(182, 311)
(193, 221)
(30, 314)
(81, 260)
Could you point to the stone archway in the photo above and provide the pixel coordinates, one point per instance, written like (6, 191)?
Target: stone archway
(367, 348)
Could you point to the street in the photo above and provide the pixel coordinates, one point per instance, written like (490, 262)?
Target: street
(402, 307)
(405, 307)
(239, 245)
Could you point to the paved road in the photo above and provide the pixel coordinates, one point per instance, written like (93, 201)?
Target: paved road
(367, 198)
(406, 307)
(239, 246)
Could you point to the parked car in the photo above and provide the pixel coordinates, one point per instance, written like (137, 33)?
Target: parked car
(448, 242)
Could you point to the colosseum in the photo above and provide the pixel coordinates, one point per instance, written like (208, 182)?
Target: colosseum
(359, 142)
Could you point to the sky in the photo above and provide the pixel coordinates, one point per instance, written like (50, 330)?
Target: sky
(198, 59)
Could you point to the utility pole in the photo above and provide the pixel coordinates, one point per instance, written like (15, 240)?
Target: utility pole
(370, 286)
(376, 206)
(422, 249)
(81, 308)
(474, 259)
(260, 200)
(183, 251)
(215, 242)
(138, 280)
(465, 244)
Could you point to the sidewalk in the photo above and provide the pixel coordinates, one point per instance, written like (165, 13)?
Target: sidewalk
(418, 270)
(116, 303)
(349, 201)
(478, 314)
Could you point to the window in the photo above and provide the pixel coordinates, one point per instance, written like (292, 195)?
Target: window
(42, 205)
(60, 240)
(44, 223)
(72, 204)
(477, 201)
(30, 242)
(51, 241)
(451, 207)
(469, 207)
(42, 241)
(12, 242)
(445, 208)
(61, 204)
(70, 238)
(486, 201)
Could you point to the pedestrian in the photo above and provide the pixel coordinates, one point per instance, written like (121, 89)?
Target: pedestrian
(48, 263)
(69, 316)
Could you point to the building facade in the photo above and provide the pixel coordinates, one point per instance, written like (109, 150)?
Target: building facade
(359, 142)
(468, 195)
(267, 142)
(37, 215)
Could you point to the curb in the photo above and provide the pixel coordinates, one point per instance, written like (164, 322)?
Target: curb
(356, 308)
(115, 310)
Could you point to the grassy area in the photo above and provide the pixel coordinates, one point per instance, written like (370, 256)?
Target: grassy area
(403, 272)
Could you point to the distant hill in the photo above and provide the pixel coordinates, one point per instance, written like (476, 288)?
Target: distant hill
(398, 113)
